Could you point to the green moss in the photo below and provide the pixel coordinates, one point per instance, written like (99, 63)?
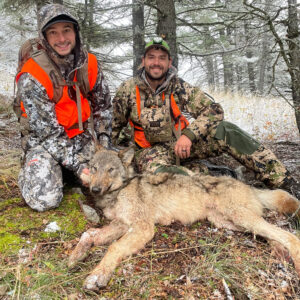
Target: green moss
(6, 203)
(10, 242)
(20, 224)
(69, 217)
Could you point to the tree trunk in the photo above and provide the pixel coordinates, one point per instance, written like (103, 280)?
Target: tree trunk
(294, 55)
(216, 72)
(138, 30)
(265, 55)
(39, 4)
(210, 73)
(84, 25)
(238, 65)
(250, 65)
(225, 36)
(239, 76)
(228, 74)
(87, 26)
(166, 26)
(22, 33)
(263, 64)
(91, 8)
(209, 63)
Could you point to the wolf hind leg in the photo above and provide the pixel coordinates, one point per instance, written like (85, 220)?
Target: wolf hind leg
(96, 237)
(260, 226)
(134, 240)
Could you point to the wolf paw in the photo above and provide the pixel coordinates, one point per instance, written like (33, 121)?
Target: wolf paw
(95, 282)
(280, 251)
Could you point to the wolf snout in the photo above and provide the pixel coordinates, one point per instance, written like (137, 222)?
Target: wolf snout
(96, 190)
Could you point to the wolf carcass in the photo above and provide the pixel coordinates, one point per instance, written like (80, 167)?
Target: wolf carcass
(135, 205)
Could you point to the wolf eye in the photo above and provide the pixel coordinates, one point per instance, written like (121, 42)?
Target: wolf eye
(93, 169)
(111, 170)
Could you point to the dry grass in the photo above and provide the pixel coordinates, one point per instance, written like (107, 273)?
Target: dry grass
(182, 262)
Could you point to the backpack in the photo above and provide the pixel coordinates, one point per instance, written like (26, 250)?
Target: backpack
(33, 48)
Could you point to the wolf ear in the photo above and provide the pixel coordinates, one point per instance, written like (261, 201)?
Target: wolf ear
(126, 155)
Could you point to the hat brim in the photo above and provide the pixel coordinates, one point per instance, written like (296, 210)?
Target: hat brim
(157, 46)
(60, 19)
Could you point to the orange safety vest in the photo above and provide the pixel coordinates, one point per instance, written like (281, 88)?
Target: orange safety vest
(65, 108)
(139, 136)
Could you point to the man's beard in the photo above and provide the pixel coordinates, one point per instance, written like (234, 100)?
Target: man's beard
(150, 77)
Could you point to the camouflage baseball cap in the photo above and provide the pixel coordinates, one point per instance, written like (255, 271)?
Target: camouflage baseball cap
(157, 42)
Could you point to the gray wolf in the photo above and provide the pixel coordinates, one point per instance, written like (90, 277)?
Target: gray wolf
(135, 205)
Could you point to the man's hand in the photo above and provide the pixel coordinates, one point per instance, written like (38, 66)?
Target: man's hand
(183, 147)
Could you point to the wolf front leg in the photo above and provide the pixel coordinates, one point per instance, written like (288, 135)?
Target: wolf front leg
(261, 227)
(135, 239)
(96, 237)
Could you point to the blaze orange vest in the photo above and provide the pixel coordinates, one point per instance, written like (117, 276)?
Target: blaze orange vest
(139, 136)
(65, 108)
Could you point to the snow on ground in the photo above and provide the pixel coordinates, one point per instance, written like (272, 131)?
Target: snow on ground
(267, 119)
(7, 73)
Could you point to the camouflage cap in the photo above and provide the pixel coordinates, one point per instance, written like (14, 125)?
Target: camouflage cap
(55, 13)
(159, 43)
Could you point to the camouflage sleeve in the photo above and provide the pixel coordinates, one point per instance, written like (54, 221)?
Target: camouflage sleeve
(205, 113)
(121, 112)
(44, 129)
(102, 109)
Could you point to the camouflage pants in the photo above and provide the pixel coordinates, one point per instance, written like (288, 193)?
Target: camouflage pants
(226, 138)
(40, 180)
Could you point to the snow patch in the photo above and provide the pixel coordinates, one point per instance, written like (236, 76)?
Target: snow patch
(52, 227)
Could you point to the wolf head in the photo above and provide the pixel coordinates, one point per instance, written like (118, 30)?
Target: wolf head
(109, 170)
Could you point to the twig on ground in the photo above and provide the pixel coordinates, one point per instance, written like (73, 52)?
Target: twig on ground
(227, 290)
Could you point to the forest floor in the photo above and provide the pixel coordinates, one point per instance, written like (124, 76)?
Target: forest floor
(196, 261)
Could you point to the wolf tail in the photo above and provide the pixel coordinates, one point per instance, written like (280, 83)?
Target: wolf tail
(279, 200)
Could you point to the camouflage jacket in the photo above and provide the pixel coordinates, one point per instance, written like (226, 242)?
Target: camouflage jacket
(201, 112)
(41, 126)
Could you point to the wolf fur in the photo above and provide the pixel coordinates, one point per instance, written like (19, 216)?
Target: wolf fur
(135, 205)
